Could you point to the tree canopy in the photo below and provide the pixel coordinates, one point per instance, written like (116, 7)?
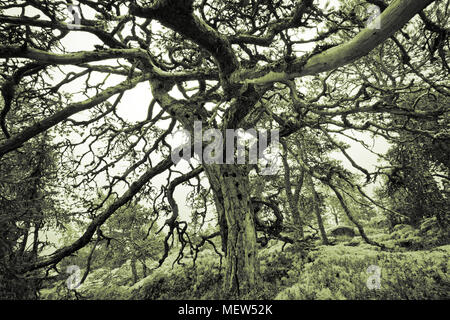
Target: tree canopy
(94, 91)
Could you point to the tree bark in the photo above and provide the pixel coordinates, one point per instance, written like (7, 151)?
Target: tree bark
(134, 270)
(144, 269)
(242, 267)
(335, 214)
(213, 175)
(293, 197)
(316, 209)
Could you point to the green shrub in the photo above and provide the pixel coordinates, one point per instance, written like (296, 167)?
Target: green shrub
(278, 269)
(340, 272)
(101, 284)
(182, 281)
(428, 235)
(16, 287)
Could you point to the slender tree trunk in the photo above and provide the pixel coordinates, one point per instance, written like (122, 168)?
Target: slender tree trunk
(316, 209)
(144, 269)
(352, 218)
(134, 270)
(242, 268)
(335, 215)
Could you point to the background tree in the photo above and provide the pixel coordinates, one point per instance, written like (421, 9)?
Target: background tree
(227, 65)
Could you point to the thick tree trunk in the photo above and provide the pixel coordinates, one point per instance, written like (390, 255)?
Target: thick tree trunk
(213, 173)
(144, 269)
(242, 268)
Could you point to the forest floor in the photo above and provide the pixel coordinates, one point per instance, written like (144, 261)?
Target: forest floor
(411, 268)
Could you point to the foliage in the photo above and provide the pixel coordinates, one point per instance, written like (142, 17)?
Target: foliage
(427, 236)
(340, 273)
(419, 167)
(81, 158)
(28, 207)
(323, 272)
(199, 281)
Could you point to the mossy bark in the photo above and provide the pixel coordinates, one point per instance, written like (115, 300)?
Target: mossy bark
(238, 228)
(316, 209)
